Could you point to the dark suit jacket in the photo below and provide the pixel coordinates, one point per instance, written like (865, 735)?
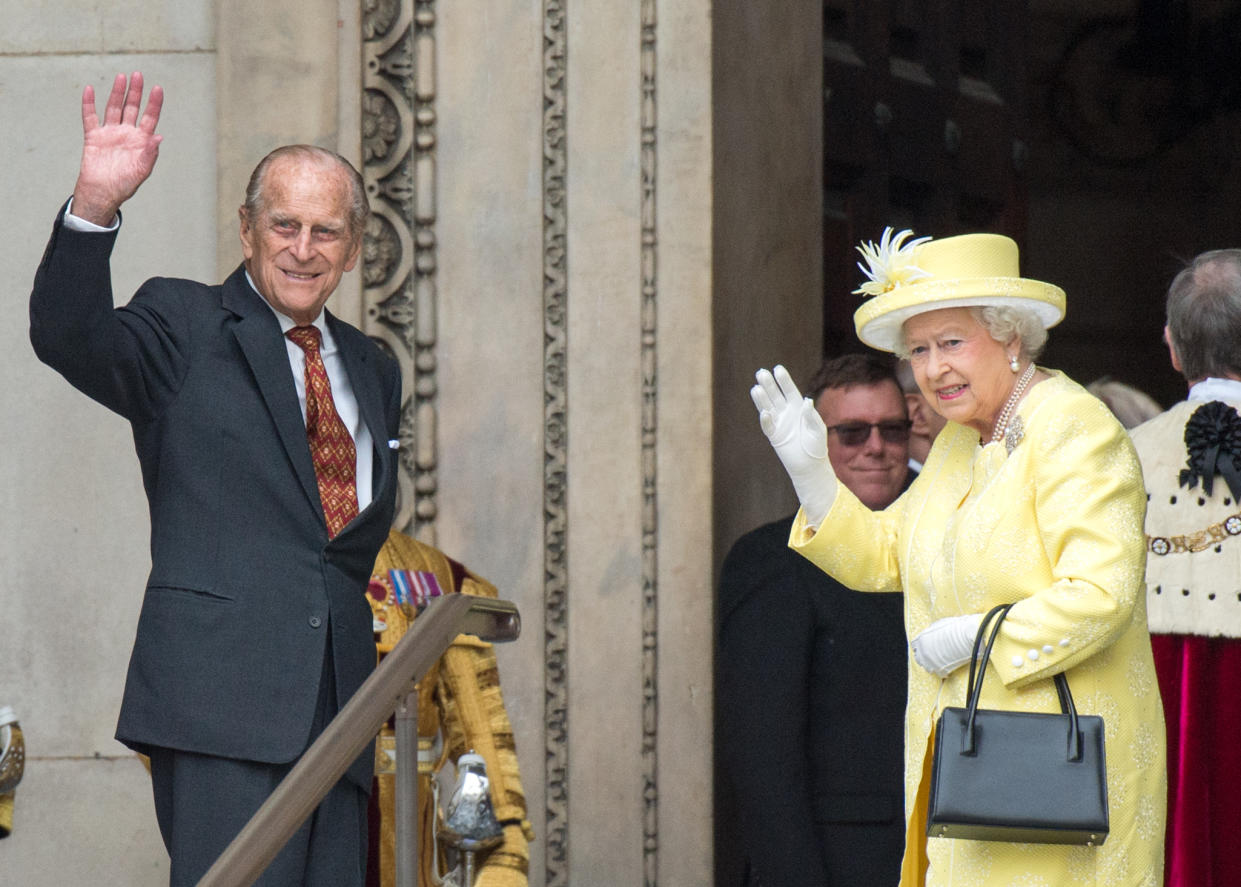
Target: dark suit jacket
(810, 703)
(244, 583)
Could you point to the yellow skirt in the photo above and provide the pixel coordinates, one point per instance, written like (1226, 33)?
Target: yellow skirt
(915, 864)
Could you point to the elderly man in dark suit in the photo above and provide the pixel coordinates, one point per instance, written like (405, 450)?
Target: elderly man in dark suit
(810, 693)
(265, 428)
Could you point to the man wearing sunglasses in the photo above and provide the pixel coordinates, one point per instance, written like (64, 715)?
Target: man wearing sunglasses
(867, 428)
(811, 676)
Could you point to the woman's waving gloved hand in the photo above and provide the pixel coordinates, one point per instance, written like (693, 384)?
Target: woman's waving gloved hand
(799, 437)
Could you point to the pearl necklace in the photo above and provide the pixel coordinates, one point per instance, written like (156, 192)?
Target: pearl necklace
(1001, 424)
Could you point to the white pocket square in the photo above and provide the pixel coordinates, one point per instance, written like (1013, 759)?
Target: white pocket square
(394, 444)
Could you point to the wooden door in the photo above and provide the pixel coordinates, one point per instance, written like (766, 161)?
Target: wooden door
(924, 128)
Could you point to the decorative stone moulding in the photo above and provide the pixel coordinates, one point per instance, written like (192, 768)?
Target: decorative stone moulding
(399, 253)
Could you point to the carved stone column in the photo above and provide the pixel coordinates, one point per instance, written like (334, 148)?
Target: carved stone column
(539, 262)
(399, 259)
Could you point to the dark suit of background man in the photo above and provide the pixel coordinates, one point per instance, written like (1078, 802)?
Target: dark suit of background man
(254, 628)
(810, 693)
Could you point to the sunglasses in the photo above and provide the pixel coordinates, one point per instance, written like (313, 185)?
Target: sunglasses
(854, 434)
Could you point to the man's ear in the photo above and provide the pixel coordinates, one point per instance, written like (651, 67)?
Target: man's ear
(245, 232)
(354, 252)
(917, 415)
(1176, 359)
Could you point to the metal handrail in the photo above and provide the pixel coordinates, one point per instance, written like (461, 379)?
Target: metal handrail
(355, 726)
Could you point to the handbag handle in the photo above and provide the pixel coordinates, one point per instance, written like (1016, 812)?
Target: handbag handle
(974, 690)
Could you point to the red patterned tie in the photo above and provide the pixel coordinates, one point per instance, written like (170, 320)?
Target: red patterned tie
(331, 447)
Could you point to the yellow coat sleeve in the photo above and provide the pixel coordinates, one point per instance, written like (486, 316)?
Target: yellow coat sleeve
(1088, 511)
(856, 546)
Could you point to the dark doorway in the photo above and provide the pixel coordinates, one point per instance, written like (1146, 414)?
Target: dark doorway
(1106, 143)
(925, 127)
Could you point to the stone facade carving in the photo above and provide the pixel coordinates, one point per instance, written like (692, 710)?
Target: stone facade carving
(650, 440)
(555, 443)
(399, 258)
(399, 292)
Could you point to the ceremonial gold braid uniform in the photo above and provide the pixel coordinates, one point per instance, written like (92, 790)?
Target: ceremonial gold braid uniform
(6, 814)
(12, 767)
(460, 699)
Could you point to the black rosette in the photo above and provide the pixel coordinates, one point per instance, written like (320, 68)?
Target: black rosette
(1213, 439)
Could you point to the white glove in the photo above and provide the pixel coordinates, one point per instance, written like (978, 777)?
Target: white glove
(797, 433)
(946, 644)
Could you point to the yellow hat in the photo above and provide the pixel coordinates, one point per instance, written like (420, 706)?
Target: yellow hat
(907, 279)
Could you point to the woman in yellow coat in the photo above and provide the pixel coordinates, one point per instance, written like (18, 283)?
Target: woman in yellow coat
(1032, 495)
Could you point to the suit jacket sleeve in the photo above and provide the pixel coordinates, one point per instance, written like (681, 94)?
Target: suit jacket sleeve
(764, 651)
(129, 359)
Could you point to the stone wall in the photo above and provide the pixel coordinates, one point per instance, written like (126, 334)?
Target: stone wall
(73, 537)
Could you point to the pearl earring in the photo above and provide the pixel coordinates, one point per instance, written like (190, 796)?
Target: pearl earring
(1012, 363)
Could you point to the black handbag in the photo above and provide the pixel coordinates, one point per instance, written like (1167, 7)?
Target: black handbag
(1028, 777)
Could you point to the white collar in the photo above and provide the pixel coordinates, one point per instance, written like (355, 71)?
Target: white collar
(1212, 388)
(327, 344)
